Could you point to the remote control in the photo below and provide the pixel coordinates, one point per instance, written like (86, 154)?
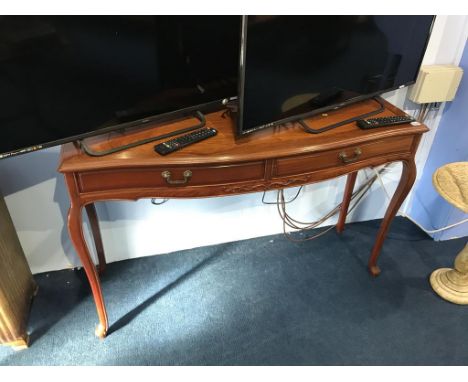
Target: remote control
(383, 121)
(175, 144)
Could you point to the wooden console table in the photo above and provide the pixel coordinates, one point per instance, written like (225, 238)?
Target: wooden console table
(267, 160)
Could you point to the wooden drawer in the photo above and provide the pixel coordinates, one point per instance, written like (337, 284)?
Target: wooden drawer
(308, 163)
(135, 178)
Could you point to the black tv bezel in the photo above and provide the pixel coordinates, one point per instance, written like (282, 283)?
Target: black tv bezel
(241, 81)
(156, 118)
(217, 103)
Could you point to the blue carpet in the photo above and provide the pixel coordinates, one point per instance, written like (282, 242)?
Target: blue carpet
(265, 301)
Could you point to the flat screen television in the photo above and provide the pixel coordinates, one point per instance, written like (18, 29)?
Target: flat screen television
(68, 77)
(292, 67)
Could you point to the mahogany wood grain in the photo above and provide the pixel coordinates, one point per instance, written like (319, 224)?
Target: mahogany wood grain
(350, 181)
(137, 178)
(227, 165)
(307, 163)
(229, 188)
(225, 148)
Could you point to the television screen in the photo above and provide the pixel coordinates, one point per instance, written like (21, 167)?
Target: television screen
(295, 66)
(66, 77)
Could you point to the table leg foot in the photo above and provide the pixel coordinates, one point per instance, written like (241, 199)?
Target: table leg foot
(374, 270)
(100, 331)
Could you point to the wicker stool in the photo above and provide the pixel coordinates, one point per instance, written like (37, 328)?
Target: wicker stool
(451, 182)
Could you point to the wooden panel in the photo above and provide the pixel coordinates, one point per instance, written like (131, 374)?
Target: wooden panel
(16, 283)
(308, 163)
(152, 177)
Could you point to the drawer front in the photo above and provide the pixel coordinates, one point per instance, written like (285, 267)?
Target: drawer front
(181, 176)
(308, 163)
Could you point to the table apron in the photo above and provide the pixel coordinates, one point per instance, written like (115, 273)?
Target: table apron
(216, 190)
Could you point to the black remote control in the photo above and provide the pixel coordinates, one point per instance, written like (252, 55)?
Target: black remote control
(185, 140)
(383, 121)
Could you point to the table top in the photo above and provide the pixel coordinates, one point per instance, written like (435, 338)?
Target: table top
(451, 182)
(225, 147)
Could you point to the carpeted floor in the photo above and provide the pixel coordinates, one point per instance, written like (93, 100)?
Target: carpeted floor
(265, 301)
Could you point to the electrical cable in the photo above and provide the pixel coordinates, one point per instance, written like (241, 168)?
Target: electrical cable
(153, 201)
(288, 221)
(427, 109)
(433, 230)
(295, 224)
(422, 109)
(288, 236)
(381, 183)
(428, 231)
(320, 221)
(289, 201)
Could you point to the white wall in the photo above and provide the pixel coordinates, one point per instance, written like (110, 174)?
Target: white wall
(37, 200)
(446, 46)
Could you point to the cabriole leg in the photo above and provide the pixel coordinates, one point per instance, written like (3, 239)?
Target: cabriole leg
(407, 179)
(75, 227)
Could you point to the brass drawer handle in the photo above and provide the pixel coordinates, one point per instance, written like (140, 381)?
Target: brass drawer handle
(167, 175)
(344, 158)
